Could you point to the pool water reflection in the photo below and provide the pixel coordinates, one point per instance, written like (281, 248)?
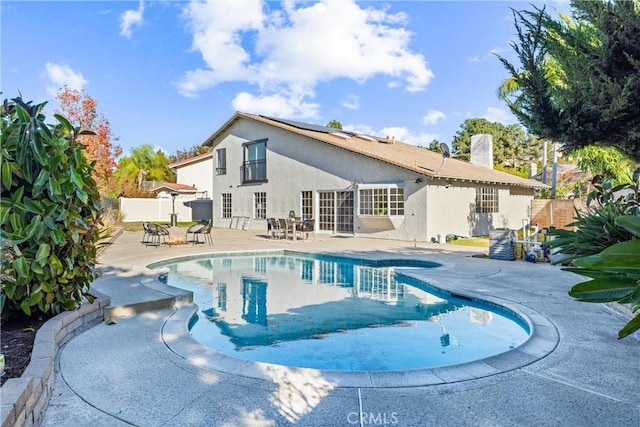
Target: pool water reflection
(337, 313)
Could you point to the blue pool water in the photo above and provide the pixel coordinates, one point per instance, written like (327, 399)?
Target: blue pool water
(337, 313)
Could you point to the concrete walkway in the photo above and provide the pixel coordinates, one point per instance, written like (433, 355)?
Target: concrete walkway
(145, 370)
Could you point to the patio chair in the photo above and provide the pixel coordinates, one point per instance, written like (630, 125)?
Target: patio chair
(158, 235)
(306, 227)
(284, 227)
(147, 234)
(195, 228)
(206, 232)
(274, 229)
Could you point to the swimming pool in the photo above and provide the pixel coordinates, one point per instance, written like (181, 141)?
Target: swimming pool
(336, 313)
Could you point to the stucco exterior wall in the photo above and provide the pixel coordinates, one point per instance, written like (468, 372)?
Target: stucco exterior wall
(296, 164)
(199, 174)
(452, 209)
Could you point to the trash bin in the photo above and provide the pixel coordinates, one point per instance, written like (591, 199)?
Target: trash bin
(174, 219)
(442, 239)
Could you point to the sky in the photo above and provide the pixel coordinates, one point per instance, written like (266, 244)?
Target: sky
(170, 73)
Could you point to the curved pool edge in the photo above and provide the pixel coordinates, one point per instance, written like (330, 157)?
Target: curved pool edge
(543, 339)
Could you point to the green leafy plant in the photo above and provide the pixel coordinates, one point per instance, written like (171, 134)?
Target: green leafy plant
(615, 274)
(49, 211)
(606, 248)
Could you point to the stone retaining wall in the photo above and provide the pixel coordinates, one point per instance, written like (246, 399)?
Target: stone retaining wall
(25, 399)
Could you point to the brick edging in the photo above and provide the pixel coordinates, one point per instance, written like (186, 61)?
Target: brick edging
(25, 399)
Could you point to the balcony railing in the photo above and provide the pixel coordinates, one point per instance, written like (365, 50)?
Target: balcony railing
(254, 171)
(221, 171)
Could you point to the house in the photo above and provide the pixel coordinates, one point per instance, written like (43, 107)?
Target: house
(351, 184)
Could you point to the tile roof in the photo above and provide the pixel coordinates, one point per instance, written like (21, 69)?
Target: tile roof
(422, 161)
(172, 186)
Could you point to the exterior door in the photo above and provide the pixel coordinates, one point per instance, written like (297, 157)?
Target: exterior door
(335, 211)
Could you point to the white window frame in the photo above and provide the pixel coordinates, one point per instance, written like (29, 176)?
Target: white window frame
(260, 205)
(386, 200)
(226, 204)
(487, 200)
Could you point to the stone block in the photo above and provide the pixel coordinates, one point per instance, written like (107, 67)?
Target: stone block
(67, 317)
(16, 390)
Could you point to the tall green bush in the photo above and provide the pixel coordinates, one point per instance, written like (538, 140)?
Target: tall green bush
(49, 211)
(606, 248)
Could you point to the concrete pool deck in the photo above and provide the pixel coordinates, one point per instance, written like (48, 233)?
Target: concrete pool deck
(145, 370)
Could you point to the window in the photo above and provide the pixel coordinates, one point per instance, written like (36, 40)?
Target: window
(382, 201)
(221, 161)
(260, 205)
(396, 201)
(307, 204)
(226, 205)
(254, 167)
(486, 200)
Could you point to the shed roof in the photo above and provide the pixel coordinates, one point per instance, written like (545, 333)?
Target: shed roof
(172, 186)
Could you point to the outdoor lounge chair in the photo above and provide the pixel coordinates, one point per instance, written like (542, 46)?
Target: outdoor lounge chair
(205, 231)
(157, 235)
(147, 234)
(193, 230)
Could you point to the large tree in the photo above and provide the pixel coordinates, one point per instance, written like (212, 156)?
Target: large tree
(578, 81)
(143, 164)
(81, 110)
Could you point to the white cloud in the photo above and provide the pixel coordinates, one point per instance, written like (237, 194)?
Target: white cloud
(433, 116)
(61, 75)
(403, 134)
(499, 115)
(130, 18)
(275, 105)
(352, 102)
(287, 52)
(490, 55)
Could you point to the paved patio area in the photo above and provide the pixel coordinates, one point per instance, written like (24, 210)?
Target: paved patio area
(145, 370)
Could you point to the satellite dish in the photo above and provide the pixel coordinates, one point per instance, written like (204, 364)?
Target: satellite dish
(446, 153)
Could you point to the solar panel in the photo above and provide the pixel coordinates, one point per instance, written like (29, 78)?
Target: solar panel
(308, 126)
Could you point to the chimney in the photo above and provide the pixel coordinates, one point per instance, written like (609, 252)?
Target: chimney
(533, 170)
(482, 150)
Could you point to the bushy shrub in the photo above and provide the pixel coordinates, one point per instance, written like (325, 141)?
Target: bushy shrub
(606, 248)
(49, 211)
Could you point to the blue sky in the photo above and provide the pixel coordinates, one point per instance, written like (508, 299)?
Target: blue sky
(169, 73)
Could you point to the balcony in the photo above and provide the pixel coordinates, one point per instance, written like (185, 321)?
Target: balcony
(254, 171)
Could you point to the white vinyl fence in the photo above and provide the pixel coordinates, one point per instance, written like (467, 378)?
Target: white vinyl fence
(159, 210)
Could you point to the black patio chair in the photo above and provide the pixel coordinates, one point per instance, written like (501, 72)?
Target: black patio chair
(158, 235)
(204, 231)
(147, 234)
(193, 230)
